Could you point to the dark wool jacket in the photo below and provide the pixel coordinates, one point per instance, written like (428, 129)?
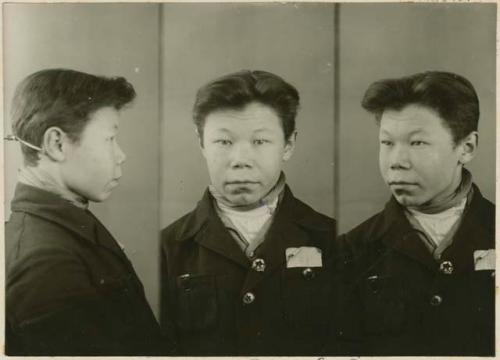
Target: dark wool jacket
(70, 289)
(215, 303)
(398, 300)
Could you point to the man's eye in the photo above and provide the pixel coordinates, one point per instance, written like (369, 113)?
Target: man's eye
(418, 143)
(260, 141)
(386, 142)
(223, 142)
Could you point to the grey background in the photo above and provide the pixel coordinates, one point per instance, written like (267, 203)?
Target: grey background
(389, 40)
(168, 50)
(197, 42)
(105, 39)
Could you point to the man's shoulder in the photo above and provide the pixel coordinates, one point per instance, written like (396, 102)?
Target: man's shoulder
(366, 230)
(482, 210)
(35, 232)
(309, 217)
(187, 225)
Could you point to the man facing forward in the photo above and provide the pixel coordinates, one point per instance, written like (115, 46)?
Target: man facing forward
(247, 272)
(420, 274)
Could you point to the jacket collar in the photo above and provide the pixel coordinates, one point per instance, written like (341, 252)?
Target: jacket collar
(290, 207)
(475, 232)
(52, 207)
(205, 219)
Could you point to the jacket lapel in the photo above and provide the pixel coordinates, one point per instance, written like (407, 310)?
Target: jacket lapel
(472, 234)
(105, 239)
(211, 233)
(398, 234)
(287, 230)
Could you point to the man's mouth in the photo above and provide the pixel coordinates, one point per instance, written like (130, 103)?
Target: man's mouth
(239, 187)
(115, 180)
(241, 182)
(402, 183)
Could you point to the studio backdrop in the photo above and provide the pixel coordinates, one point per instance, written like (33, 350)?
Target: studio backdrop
(168, 50)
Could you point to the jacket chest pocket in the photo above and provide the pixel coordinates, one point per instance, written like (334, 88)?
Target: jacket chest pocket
(306, 297)
(384, 302)
(196, 302)
(122, 286)
(122, 294)
(481, 296)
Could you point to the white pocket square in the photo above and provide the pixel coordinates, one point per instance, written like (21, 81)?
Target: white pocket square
(484, 259)
(304, 256)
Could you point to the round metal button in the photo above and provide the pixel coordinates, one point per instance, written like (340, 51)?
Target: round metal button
(248, 298)
(436, 300)
(308, 273)
(259, 265)
(446, 267)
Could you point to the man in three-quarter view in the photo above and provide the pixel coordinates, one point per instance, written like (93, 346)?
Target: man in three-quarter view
(419, 275)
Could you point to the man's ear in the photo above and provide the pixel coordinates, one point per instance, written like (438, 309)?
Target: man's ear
(53, 143)
(200, 140)
(468, 147)
(290, 146)
(199, 136)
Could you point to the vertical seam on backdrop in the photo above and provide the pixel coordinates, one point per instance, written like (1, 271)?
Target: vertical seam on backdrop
(336, 108)
(161, 129)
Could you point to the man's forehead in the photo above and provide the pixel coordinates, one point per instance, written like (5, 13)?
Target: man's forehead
(254, 118)
(411, 117)
(106, 119)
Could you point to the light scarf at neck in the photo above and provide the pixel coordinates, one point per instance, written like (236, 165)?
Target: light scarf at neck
(42, 179)
(452, 200)
(268, 199)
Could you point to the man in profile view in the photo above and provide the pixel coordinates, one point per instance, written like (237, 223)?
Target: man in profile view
(420, 274)
(70, 288)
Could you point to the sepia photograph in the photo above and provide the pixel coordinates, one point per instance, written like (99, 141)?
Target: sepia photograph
(249, 179)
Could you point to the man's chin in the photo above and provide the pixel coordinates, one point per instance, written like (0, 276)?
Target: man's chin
(242, 199)
(407, 200)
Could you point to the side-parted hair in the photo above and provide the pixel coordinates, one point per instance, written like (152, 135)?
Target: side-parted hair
(450, 95)
(235, 91)
(65, 99)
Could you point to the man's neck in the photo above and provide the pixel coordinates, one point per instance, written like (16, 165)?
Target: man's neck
(46, 178)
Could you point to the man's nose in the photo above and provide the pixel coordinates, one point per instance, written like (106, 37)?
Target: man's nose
(120, 155)
(399, 157)
(241, 156)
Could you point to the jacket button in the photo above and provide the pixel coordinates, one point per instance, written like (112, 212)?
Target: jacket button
(446, 267)
(436, 300)
(308, 273)
(259, 265)
(248, 298)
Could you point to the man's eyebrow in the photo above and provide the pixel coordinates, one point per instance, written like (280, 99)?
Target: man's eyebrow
(261, 129)
(223, 130)
(413, 132)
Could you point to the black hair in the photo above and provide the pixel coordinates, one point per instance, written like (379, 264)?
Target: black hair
(452, 97)
(236, 90)
(63, 98)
